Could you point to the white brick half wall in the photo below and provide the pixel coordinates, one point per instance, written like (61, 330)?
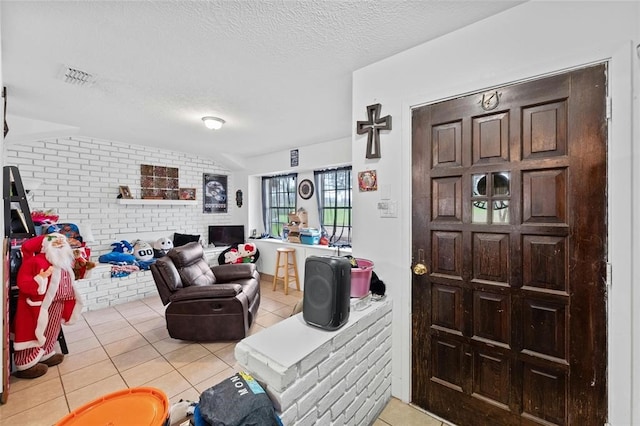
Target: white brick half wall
(80, 179)
(320, 377)
(101, 291)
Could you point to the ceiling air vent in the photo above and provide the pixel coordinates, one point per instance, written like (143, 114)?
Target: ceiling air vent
(77, 77)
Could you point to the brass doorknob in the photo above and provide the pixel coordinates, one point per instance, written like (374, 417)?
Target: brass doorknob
(419, 269)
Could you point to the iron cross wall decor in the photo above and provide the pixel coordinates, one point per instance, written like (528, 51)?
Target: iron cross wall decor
(372, 128)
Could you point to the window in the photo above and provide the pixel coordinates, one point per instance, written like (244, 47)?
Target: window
(278, 200)
(334, 204)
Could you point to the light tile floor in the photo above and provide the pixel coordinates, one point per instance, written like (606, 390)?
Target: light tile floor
(128, 345)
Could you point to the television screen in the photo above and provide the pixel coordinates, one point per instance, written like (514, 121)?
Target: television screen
(226, 235)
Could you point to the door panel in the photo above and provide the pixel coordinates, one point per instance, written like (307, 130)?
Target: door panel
(491, 139)
(544, 195)
(509, 323)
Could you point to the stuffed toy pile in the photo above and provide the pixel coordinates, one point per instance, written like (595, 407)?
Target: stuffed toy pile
(245, 253)
(82, 264)
(127, 258)
(122, 259)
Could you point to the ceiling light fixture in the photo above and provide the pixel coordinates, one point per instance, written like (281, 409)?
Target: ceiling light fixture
(213, 123)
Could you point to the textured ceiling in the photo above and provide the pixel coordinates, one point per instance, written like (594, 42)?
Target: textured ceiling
(279, 72)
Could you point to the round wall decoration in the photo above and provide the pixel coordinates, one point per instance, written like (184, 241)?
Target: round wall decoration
(305, 189)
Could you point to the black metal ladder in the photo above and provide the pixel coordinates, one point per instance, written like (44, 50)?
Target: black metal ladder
(18, 226)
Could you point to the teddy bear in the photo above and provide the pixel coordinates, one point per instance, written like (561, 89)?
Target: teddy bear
(162, 246)
(82, 263)
(142, 250)
(246, 252)
(232, 256)
(144, 254)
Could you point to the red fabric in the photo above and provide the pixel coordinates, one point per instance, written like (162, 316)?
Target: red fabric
(29, 357)
(31, 266)
(32, 246)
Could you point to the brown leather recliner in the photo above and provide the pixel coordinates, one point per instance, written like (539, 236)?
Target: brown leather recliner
(206, 303)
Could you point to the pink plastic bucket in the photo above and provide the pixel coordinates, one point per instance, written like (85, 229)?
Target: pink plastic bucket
(361, 278)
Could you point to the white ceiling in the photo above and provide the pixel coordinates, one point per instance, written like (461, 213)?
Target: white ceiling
(279, 72)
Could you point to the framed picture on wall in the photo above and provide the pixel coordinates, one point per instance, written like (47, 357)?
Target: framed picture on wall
(187, 193)
(368, 180)
(125, 192)
(214, 188)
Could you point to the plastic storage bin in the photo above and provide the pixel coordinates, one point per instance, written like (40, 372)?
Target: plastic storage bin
(310, 236)
(141, 406)
(361, 278)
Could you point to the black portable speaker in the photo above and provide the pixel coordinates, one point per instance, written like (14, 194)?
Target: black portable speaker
(327, 289)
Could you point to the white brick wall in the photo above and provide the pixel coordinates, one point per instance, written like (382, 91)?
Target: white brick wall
(99, 290)
(318, 377)
(80, 182)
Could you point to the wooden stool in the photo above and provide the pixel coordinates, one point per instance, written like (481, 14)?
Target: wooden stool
(289, 267)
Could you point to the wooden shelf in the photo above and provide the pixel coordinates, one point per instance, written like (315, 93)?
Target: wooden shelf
(140, 201)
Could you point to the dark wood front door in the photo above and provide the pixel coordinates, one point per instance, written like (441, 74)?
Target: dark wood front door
(509, 212)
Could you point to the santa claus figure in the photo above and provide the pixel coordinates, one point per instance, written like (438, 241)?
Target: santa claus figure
(46, 300)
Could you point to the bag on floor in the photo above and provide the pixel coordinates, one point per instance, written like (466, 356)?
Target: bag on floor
(236, 401)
